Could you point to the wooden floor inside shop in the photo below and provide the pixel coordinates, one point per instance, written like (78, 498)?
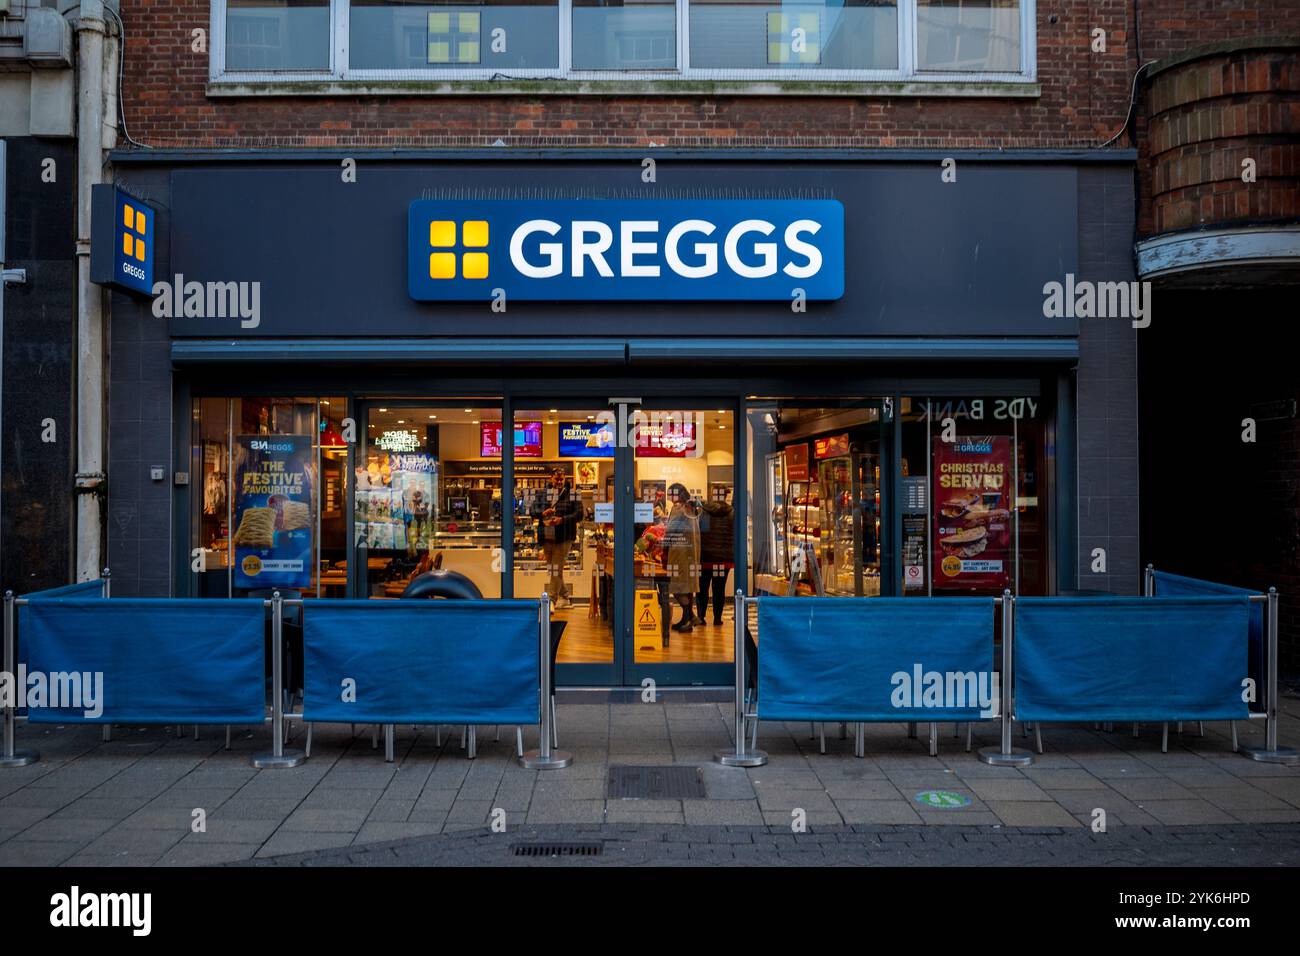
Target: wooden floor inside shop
(587, 640)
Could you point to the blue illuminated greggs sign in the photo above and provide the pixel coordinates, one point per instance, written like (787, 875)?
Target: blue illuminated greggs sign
(122, 240)
(627, 249)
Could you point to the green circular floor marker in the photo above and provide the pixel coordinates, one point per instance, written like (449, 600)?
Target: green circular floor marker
(943, 799)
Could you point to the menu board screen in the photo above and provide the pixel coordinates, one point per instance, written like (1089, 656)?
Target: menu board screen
(587, 440)
(528, 439)
(668, 439)
(833, 446)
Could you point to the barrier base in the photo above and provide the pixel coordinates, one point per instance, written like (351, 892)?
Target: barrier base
(751, 758)
(290, 758)
(1283, 755)
(557, 760)
(995, 757)
(20, 758)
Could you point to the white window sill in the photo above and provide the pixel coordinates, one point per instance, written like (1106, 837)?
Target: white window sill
(234, 85)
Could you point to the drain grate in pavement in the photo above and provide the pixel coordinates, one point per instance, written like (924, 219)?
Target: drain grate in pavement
(656, 783)
(557, 849)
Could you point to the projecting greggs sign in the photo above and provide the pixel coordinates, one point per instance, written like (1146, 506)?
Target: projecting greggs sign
(635, 249)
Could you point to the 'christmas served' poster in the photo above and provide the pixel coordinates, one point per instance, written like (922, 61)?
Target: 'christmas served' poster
(972, 512)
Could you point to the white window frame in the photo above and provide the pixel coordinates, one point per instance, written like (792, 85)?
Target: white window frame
(906, 72)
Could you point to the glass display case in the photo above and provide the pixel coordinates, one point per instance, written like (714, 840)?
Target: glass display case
(850, 540)
(776, 509)
(804, 531)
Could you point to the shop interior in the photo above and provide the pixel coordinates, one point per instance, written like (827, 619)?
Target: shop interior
(445, 463)
(426, 482)
(815, 480)
(221, 429)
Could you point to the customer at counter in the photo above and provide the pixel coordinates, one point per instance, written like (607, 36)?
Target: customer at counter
(682, 548)
(559, 515)
(716, 555)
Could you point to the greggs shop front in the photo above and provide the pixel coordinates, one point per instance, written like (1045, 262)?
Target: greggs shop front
(637, 386)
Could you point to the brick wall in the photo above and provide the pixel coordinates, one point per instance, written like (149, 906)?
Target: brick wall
(1207, 116)
(1084, 99)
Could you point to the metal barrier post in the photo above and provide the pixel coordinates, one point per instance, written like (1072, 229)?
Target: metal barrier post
(278, 758)
(741, 757)
(1006, 755)
(1149, 581)
(544, 758)
(106, 591)
(11, 757)
(1270, 752)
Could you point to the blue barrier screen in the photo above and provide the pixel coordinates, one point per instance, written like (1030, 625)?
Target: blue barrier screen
(85, 589)
(1124, 659)
(162, 661)
(422, 661)
(863, 658)
(1176, 585)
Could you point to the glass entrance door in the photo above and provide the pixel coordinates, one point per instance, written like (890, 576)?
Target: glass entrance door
(679, 574)
(565, 469)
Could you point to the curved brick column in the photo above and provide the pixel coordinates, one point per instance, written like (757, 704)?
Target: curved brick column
(1210, 109)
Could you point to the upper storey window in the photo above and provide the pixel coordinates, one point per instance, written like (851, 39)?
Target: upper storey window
(755, 41)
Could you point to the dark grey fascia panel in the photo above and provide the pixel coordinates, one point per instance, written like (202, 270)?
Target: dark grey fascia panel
(612, 352)
(850, 349)
(400, 351)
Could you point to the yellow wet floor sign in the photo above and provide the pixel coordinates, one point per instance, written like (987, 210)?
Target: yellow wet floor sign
(647, 623)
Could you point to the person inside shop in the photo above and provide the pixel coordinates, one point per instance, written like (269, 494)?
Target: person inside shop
(682, 553)
(716, 553)
(558, 514)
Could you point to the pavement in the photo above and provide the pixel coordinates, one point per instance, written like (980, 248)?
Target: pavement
(150, 798)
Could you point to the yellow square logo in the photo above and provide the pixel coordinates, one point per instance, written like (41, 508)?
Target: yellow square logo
(442, 233)
(134, 220)
(442, 265)
(474, 234)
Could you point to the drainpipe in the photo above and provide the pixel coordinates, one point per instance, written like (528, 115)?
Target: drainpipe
(90, 482)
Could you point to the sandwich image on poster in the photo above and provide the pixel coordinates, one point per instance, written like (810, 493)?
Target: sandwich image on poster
(972, 513)
(273, 511)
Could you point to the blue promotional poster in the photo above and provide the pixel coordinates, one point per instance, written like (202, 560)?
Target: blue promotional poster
(273, 511)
